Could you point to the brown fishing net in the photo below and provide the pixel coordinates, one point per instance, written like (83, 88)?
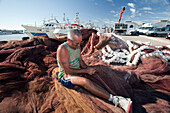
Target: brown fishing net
(26, 84)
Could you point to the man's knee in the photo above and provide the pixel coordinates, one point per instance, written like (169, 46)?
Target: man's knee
(86, 82)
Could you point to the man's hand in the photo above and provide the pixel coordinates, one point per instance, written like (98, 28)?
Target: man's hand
(91, 70)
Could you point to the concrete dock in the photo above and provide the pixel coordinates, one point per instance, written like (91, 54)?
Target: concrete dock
(156, 41)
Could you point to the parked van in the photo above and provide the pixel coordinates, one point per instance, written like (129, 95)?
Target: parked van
(145, 28)
(163, 31)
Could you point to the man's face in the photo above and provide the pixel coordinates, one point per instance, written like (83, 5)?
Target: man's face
(75, 43)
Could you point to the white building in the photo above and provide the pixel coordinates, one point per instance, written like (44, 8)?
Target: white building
(161, 23)
(132, 26)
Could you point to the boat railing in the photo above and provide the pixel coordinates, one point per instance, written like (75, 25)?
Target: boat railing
(32, 25)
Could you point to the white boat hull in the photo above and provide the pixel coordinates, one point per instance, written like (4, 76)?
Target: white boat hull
(38, 31)
(60, 33)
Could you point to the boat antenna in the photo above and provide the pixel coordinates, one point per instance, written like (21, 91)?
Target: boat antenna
(77, 14)
(77, 18)
(64, 18)
(44, 21)
(68, 21)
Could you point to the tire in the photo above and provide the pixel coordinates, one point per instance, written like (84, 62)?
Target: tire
(152, 34)
(155, 34)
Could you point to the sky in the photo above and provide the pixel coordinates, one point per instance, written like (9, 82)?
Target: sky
(14, 13)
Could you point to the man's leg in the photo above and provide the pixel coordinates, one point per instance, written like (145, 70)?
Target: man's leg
(124, 103)
(90, 86)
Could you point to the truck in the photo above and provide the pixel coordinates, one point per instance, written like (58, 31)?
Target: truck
(120, 28)
(127, 28)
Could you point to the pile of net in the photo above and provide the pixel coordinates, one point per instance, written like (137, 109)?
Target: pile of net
(26, 84)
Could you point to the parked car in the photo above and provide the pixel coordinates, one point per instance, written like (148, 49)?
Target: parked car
(168, 36)
(163, 32)
(153, 32)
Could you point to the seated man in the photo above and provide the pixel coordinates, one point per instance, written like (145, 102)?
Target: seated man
(72, 69)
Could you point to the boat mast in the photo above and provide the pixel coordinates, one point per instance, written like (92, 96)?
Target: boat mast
(77, 18)
(64, 18)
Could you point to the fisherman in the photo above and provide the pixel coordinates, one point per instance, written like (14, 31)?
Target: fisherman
(73, 70)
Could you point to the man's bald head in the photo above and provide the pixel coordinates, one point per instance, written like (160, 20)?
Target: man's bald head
(73, 33)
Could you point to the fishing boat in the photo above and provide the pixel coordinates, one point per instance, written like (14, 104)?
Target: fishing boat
(47, 28)
(5, 32)
(52, 28)
(62, 30)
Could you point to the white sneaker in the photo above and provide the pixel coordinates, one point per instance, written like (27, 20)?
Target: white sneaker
(124, 103)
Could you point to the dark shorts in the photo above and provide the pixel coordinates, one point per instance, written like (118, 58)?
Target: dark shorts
(67, 81)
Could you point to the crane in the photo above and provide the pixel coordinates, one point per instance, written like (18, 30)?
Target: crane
(121, 12)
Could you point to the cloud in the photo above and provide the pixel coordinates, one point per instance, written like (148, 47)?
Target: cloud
(146, 8)
(96, 21)
(167, 1)
(151, 1)
(157, 17)
(139, 14)
(155, 1)
(12, 27)
(112, 11)
(108, 22)
(116, 15)
(131, 5)
(109, 0)
(96, 3)
(149, 12)
(133, 10)
(163, 13)
(138, 22)
(113, 4)
(102, 21)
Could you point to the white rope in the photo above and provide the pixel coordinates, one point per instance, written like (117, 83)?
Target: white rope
(125, 56)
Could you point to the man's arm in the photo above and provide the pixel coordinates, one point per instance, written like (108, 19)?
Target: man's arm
(63, 56)
(82, 63)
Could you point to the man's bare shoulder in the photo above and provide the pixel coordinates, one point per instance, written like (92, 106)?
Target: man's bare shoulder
(62, 52)
(61, 48)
